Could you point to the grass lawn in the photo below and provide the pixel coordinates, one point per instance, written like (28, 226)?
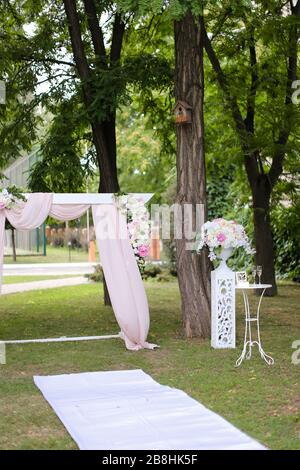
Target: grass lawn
(54, 255)
(262, 401)
(19, 279)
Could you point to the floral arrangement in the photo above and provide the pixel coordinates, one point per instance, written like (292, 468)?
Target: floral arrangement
(138, 224)
(10, 196)
(222, 233)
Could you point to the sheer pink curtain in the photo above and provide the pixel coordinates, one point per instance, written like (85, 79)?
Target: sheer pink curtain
(124, 282)
(32, 213)
(121, 272)
(24, 216)
(68, 211)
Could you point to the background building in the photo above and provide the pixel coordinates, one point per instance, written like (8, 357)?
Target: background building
(33, 241)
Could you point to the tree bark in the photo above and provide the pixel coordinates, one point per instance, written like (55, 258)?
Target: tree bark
(105, 143)
(104, 132)
(193, 269)
(264, 255)
(261, 183)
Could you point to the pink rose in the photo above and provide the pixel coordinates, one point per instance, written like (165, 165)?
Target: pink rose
(221, 237)
(143, 251)
(2, 205)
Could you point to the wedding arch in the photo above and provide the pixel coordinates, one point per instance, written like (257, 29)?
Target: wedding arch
(124, 282)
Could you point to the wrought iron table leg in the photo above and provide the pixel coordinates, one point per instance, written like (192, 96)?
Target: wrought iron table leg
(248, 333)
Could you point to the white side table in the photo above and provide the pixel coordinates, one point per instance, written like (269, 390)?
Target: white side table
(248, 338)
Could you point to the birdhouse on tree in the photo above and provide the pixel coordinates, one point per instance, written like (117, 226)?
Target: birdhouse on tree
(183, 113)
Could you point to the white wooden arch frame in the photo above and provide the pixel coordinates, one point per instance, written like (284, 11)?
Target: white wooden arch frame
(91, 199)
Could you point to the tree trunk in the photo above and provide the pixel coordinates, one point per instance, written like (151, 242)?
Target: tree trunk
(13, 244)
(104, 137)
(263, 233)
(260, 183)
(107, 158)
(108, 172)
(104, 132)
(193, 269)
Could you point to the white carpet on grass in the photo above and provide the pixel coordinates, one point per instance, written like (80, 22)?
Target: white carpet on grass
(129, 410)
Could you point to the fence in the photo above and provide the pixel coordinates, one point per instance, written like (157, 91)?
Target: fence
(26, 242)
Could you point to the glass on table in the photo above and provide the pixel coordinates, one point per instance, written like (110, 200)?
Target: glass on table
(259, 273)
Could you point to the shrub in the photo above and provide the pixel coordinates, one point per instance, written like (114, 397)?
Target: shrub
(151, 270)
(97, 275)
(286, 232)
(164, 276)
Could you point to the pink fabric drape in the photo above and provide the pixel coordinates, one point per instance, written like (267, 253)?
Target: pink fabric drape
(24, 216)
(121, 272)
(68, 211)
(32, 213)
(124, 282)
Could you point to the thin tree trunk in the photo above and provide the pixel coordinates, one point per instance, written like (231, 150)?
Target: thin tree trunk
(108, 177)
(13, 244)
(104, 141)
(104, 132)
(106, 296)
(261, 184)
(108, 166)
(193, 269)
(263, 233)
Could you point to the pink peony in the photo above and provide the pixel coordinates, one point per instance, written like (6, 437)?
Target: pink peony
(221, 237)
(2, 205)
(143, 251)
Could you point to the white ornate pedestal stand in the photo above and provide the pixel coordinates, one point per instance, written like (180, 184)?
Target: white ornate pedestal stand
(248, 339)
(223, 304)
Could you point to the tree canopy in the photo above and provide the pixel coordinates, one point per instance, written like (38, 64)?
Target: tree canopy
(248, 110)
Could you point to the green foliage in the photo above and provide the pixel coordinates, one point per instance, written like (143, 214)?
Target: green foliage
(175, 9)
(18, 195)
(141, 162)
(159, 273)
(38, 61)
(151, 270)
(63, 168)
(97, 275)
(140, 86)
(17, 122)
(220, 196)
(233, 25)
(286, 232)
(113, 86)
(145, 124)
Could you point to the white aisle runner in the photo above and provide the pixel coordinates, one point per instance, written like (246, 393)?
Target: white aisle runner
(129, 410)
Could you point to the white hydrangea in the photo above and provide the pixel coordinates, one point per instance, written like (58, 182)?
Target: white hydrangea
(6, 200)
(138, 223)
(222, 233)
